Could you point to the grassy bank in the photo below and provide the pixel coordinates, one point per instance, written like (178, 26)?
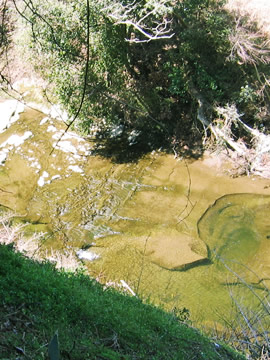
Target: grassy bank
(36, 300)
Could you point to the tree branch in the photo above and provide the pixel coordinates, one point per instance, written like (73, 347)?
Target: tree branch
(143, 21)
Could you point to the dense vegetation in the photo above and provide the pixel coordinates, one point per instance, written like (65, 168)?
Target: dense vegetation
(139, 75)
(6, 28)
(92, 323)
(151, 71)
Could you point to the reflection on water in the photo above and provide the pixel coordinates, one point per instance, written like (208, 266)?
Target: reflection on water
(146, 221)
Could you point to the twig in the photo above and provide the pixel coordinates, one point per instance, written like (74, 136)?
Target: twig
(188, 198)
(126, 286)
(85, 78)
(142, 266)
(266, 308)
(245, 318)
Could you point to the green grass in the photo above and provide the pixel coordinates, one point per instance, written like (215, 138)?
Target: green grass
(36, 300)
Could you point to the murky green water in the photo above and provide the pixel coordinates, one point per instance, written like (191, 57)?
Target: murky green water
(236, 225)
(160, 224)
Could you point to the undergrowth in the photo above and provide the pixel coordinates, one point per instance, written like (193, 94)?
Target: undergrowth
(36, 300)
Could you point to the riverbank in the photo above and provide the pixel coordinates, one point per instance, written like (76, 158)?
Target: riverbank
(91, 322)
(178, 225)
(256, 10)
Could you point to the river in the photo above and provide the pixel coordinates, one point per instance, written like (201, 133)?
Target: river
(175, 231)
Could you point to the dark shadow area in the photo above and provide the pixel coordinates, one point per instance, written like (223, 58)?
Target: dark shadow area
(120, 151)
(132, 145)
(155, 90)
(203, 262)
(200, 64)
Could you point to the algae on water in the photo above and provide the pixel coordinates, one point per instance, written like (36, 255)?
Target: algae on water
(138, 219)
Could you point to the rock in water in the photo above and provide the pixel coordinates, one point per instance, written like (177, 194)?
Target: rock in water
(173, 250)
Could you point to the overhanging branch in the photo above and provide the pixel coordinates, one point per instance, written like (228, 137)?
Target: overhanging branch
(152, 23)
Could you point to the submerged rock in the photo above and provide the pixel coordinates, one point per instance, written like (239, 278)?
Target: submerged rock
(173, 250)
(235, 226)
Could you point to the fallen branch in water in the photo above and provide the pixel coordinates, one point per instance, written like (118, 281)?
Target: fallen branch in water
(249, 332)
(126, 286)
(252, 157)
(255, 155)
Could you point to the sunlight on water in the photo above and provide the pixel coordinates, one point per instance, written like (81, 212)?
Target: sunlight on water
(148, 222)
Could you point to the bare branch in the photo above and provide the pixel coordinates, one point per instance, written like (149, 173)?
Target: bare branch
(152, 22)
(250, 47)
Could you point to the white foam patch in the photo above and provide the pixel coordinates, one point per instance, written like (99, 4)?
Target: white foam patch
(41, 181)
(75, 168)
(16, 140)
(43, 121)
(9, 111)
(34, 163)
(87, 255)
(55, 177)
(51, 128)
(3, 157)
(66, 146)
(56, 136)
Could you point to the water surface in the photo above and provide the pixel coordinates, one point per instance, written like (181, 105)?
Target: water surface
(160, 224)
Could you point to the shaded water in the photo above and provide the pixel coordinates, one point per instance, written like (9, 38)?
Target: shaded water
(156, 223)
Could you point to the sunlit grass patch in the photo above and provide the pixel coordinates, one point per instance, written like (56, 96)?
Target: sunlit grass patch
(36, 300)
